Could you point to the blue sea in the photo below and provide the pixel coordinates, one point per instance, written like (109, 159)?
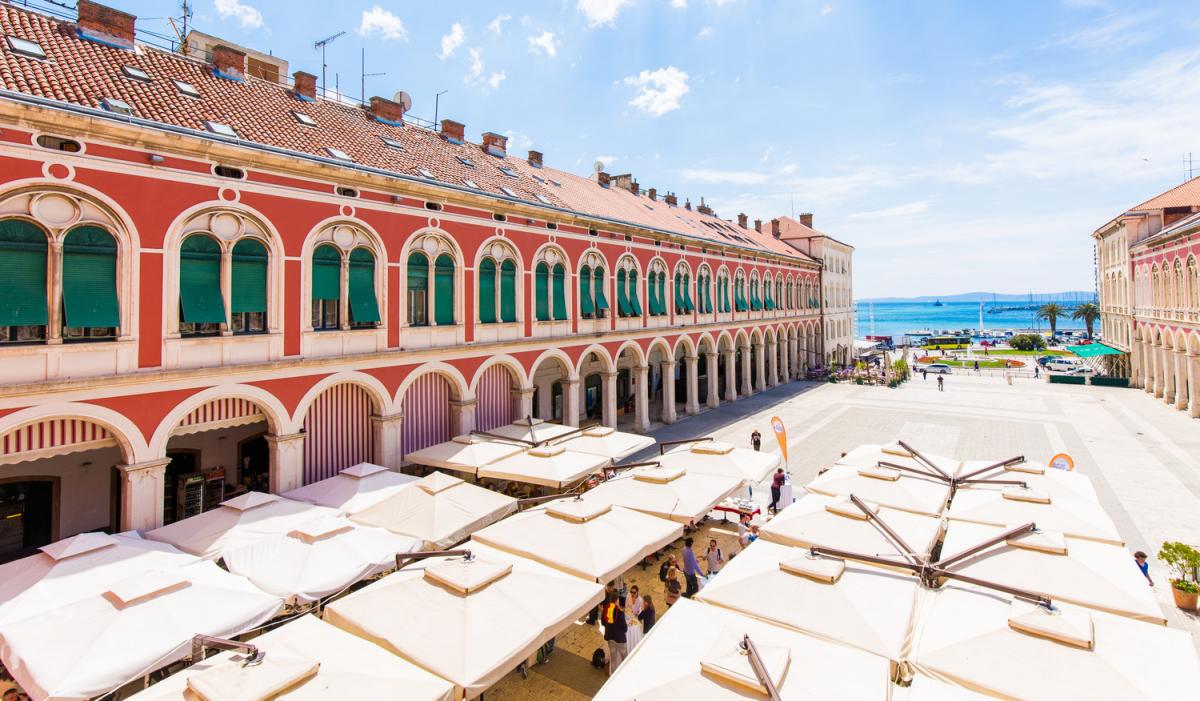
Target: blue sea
(898, 318)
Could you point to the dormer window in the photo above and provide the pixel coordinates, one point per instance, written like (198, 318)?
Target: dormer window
(338, 154)
(112, 104)
(391, 143)
(221, 129)
(32, 49)
(425, 173)
(539, 178)
(542, 198)
(555, 183)
(508, 192)
(186, 89)
(466, 161)
(304, 119)
(471, 184)
(508, 171)
(135, 73)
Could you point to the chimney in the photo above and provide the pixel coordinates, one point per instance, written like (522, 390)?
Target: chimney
(704, 208)
(652, 193)
(228, 63)
(603, 178)
(742, 219)
(806, 219)
(453, 132)
(622, 181)
(775, 228)
(671, 199)
(687, 204)
(104, 25)
(305, 85)
(495, 144)
(635, 188)
(535, 159)
(758, 225)
(387, 111)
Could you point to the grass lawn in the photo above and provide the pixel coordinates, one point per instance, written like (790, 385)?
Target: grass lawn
(965, 363)
(1009, 351)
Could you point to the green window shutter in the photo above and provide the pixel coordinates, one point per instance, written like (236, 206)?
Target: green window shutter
(651, 294)
(541, 292)
(600, 282)
(559, 277)
(508, 291)
(249, 277)
(22, 274)
(740, 295)
(755, 302)
(200, 281)
(90, 279)
(623, 307)
(364, 307)
(487, 291)
(678, 294)
(635, 304)
(418, 272)
(443, 290)
(687, 294)
(326, 273)
(662, 292)
(585, 290)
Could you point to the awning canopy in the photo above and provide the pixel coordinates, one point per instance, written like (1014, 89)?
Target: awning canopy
(720, 458)
(353, 489)
(884, 486)
(1073, 516)
(676, 494)
(606, 442)
(817, 519)
(548, 466)
(1092, 350)
(464, 453)
(530, 430)
(438, 509)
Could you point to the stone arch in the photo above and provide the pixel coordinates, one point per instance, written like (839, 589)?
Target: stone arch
(741, 339)
(454, 376)
(557, 354)
(725, 340)
(514, 366)
(278, 419)
(606, 359)
(706, 343)
(1193, 343)
(381, 397)
(689, 346)
(431, 399)
(639, 355)
(128, 436)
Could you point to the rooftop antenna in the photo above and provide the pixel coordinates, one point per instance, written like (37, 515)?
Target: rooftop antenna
(436, 99)
(365, 75)
(186, 17)
(321, 45)
(1187, 165)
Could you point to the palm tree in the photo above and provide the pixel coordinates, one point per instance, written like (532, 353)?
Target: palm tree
(1088, 312)
(1050, 312)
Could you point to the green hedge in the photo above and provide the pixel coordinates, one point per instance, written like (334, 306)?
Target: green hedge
(1110, 381)
(1068, 379)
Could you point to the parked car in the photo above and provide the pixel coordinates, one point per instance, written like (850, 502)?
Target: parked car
(1045, 359)
(938, 368)
(1060, 364)
(1081, 370)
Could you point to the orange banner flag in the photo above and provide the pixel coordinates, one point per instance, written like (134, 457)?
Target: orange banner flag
(780, 435)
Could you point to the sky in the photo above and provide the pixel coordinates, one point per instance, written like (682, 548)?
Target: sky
(959, 146)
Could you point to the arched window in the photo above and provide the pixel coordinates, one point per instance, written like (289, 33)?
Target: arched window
(768, 295)
(418, 289)
(723, 294)
(487, 291)
(599, 299)
(89, 275)
(634, 303)
(541, 292)
(679, 305)
(24, 314)
(623, 308)
(364, 308)
(587, 308)
(201, 304)
(739, 294)
(508, 291)
(559, 276)
(248, 299)
(443, 290)
(755, 300)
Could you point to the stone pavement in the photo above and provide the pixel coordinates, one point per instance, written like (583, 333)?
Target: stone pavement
(1142, 456)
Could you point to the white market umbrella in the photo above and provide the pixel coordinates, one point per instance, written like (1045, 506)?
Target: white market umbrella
(528, 431)
(319, 558)
(237, 522)
(590, 540)
(720, 458)
(1083, 572)
(1036, 475)
(606, 442)
(469, 622)
(674, 493)
(818, 520)
(548, 466)
(353, 489)
(466, 453)
(438, 509)
(870, 455)
(1078, 518)
(847, 602)
(923, 688)
(884, 486)
(1000, 646)
(94, 645)
(306, 660)
(78, 567)
(693, 652)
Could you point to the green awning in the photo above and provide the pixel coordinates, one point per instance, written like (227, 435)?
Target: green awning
(364, 308)
(200, 281)
(601, 300)
(22, 274)
(443, 290)
(1093, 350)
(623, 294)
(487, 291)
(90, 279)
(508, 291)
(558, 280)
(541, 292)
(585, 291)
(326, 273)
(249, 277)
(634, 305)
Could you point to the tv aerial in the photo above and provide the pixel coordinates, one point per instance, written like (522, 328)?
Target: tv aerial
(404, 100)
(598, 166)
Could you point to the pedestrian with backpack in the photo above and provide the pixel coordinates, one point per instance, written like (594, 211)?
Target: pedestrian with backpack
(714, 557)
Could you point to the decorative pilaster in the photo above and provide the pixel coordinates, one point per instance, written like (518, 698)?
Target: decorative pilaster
(462, 415)
(142, 494)
(641, 397)
(668, 399)
(714, 376)
(523, 402)
(691, 365)
(388, 432)
(287, 462)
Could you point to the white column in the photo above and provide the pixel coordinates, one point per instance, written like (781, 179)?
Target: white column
(287, 462)
(226, 278)
(728, 357)
(54, 263)
(772, 360)
(142, 494)
(545, 395)
(760, 369)
(462, 415)
(609, 409)
(1193, 377)
(714, 400)
(1151, 367)
(691, 364)
(747, 385)
(1135, 364)
(667, 368)
(1181, 379)
(1167, 391)
(641, 397)
(571, 389)
(388, 433)
(524, 403)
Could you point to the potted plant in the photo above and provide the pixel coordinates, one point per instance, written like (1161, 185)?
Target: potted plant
(1183, 560)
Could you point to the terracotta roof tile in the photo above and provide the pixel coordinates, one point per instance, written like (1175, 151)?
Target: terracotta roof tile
(80, 72)
(1185, 195)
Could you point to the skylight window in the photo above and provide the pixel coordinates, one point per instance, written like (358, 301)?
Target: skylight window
(466, 161)
(508, 171)
(425, 173)
(222, 129)
(304, 119)
(555, 183)
(25, 47)
(135, 73)
(392, 143)
(186, 88)
(508, 192)
(112, 104)
(539, 178)
(338, 153)
(471, 184)
(542, 198)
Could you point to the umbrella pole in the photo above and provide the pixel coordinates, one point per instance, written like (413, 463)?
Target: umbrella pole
(662, 446)
(913, 567)
(986, 544)
(1013, 591)
(760, 670)
(916, 454)
(905, 549)
(1003, 463)
(508, 439)
(923, 473)
(254, 656)
(408, 558)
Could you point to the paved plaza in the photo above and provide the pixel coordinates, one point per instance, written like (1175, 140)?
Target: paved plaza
(1143, 457)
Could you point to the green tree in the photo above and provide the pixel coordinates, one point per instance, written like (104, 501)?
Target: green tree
(1089, 312)
(1027, 342)
(1050, 312)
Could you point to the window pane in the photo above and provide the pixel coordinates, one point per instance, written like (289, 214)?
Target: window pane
(541, 293)
(200, 281)
(508, 291)
(22, 274)
(364, 308)
(560, 292)
(487, 291)
(249, 277)
(443, 282)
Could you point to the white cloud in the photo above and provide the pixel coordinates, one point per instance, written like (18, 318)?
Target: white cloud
(497, 25)
(659, 91)
(544, 42)
(379, 21)
(904, 210)
(704, 33)
(451, 41)
(518, 141)
(1113, 30)
(679, 4)
(495, 79)
(708, 176)
(826, 9)
(249, 16)
(601, 12)
(608, 161)
(474, 66)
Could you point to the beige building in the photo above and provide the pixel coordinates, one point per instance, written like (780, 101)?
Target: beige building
(837, 281)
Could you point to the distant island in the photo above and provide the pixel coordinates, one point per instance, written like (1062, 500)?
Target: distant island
(1072, 297)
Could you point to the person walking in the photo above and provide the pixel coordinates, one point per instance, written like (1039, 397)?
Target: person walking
(976, 366)
(924, 374)
(1037, 371)
(647, 614)
(714, 557)
(756, 439)
(777, 481)
(672, 587)
(615, 628)
(691, 569)
(1140, 558)
(744, 530)
(941, 383)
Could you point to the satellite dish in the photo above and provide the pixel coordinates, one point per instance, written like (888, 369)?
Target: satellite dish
(598, 166)
(404, 100)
